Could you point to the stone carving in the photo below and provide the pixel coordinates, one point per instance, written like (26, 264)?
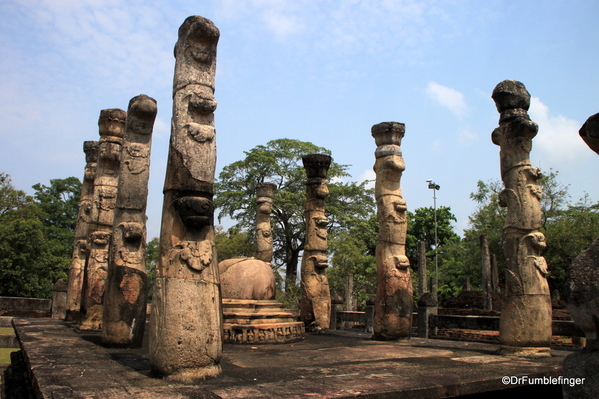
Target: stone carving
(112, 129)
(590, 132)
(247, 278)
(76, 271)
(265, 192)
(315, 301)
(582, 298)
(124, 316)
(186, 321)
(394, 295)
(525, 324)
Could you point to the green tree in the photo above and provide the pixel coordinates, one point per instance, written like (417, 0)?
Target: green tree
(36, 236)
(233, 243)
(152, 256)
(280, 162)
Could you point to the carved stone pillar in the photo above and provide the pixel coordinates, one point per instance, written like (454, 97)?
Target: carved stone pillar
(126, 288)
(525, 324)
(80, 249)
(315, 301)
(264, 194)
(112, 129)
(394, 295)
(186, 321)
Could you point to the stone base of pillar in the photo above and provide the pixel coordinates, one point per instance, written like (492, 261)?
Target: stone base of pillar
(92, 320)
(524, 351)
(526, 321)
(250, 321)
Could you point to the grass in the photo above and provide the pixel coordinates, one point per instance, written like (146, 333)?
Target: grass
(5, 354)
(7, 331)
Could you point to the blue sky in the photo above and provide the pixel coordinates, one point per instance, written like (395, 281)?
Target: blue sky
(317, 71)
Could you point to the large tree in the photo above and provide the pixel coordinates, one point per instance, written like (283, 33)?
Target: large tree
(280, 162)
(36, 236)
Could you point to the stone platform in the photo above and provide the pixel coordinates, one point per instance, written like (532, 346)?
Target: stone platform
(65, 364)
(248, 321)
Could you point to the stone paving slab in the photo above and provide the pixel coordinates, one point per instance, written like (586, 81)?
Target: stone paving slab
(67, 364)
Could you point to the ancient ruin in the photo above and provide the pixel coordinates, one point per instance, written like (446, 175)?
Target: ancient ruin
(80, 249)
(251, 314)
(126, 288)
(525, 324)
(112, 130)
(315, 301)
(186, 319)
(394, 294)
(590, 132)
(265, 192)
(582, 297)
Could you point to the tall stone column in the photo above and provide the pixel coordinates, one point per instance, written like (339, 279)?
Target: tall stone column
(126, 288)
(265, 192)
(112, 129)
(394, 295)
(186, 322)
(80, 249)
(525, 324)
(485, 265)
(315, 301)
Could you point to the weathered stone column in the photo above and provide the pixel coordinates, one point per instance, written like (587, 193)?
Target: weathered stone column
(126, 288)
(394, 295)
(315, 301)
(582, 297)
(485, 265)
(112, 129)
(265, 192)
(186, 322)
(525, 324)
(80, 249)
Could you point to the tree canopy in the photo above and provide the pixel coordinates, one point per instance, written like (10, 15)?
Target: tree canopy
(36, 236)
(280, 162)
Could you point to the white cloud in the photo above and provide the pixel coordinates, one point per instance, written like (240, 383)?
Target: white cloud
(449, 98)
(368, 174)
(558, 140)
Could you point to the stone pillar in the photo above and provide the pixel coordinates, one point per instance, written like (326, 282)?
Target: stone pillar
(80, 249)
(265, 192)
(186, 321)
(495, 274)
(427, 306)
(582, 298)
(485, 264)
(422, 279)
(315, 301)
(525, 324)
(112, 130)
(59, 300)
(394, 301)
(126, 288)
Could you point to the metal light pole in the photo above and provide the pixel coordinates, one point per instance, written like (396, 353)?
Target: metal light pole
(435, 187)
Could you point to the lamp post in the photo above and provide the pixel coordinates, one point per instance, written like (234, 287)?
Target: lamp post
(435, 187)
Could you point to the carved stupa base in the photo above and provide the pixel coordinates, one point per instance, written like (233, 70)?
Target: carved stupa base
(249, 321)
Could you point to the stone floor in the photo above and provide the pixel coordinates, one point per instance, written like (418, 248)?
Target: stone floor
(66, 364)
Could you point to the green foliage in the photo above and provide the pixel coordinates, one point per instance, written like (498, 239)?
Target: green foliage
(233, 243)
(569, 230)
(280, 162)
(353, 252)
(36, 237)
(152, 256)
